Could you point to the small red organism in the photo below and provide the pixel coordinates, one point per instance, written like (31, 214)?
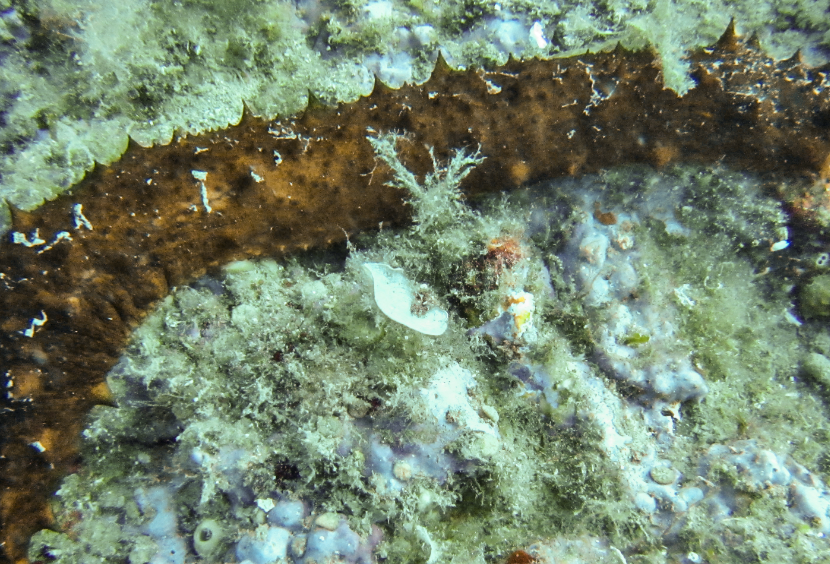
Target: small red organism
(504, 253)
(520, 557)
(605, 218)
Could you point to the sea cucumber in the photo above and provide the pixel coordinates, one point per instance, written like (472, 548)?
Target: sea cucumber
(268, 188)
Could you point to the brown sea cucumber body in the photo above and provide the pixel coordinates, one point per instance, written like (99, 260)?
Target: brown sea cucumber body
(164, 215)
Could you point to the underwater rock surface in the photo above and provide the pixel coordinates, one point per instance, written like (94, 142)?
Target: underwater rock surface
(82, 271)
(291, 418)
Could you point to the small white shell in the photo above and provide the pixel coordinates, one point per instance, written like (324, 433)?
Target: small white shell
(395, 296)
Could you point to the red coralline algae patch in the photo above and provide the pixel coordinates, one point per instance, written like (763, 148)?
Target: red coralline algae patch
(165, 215)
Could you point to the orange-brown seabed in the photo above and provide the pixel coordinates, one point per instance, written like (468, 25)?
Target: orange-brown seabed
(278, 187)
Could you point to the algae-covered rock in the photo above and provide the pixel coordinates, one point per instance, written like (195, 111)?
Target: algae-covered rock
(277, 414)
(817, 367)
(815, 297)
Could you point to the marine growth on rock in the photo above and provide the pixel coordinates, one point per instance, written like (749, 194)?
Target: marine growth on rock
(81, 272)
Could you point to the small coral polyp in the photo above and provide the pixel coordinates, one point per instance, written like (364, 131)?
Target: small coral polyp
(566, 379)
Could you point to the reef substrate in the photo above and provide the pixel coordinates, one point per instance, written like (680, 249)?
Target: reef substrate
(82, 271)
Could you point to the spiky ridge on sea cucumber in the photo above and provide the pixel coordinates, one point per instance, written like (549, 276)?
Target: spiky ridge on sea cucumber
(275, 187)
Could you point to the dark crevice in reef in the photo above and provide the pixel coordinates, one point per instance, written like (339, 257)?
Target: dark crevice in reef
(280, 187)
